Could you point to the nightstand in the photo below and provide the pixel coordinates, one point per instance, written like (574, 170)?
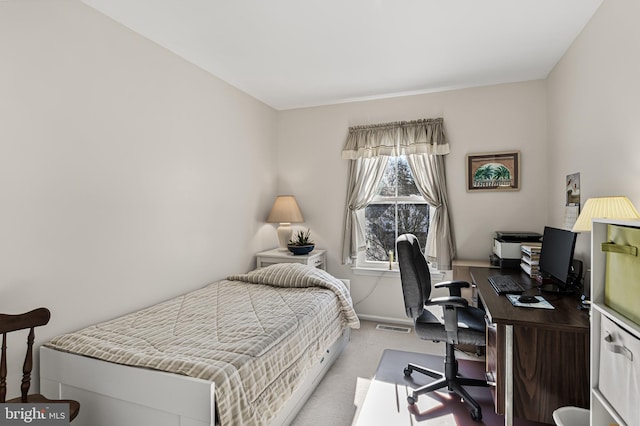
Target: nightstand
(317, 258)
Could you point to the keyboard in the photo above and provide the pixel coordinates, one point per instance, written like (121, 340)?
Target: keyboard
(504, 284)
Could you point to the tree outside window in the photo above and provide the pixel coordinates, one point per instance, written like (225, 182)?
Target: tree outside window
(398, 208)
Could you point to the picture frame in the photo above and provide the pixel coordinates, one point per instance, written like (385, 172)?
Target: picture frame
(573, 189)
(493, 171)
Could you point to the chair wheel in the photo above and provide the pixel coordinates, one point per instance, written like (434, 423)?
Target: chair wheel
(476, 415)
(411, 400)
(407, 371)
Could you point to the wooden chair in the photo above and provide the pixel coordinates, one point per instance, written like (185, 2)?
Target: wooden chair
(29, 320)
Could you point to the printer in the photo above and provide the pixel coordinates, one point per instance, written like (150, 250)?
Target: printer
(506, 247)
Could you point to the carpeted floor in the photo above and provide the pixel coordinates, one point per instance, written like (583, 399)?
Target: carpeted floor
(375, 359)
(386, 400)
(341, 393)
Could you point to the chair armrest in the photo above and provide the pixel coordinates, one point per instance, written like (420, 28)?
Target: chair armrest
(453, 286)
(450, 307)
(458, 302)
(456, 283)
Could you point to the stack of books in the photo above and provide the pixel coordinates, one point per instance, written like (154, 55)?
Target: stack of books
(530, 258)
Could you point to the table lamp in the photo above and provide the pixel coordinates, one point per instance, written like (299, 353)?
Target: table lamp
(285, 211)
(604, 208)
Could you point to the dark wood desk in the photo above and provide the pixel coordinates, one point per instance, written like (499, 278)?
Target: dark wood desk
(537, 359)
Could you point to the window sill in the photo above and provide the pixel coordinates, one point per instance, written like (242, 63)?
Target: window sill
(376, 272)
(436, 276)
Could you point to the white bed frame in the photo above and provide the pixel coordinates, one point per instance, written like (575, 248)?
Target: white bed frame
(119, 395)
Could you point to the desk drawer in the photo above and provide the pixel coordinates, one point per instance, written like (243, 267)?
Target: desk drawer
(494, 363)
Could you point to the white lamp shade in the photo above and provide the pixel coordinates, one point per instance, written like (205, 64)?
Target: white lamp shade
(604, 208)
(285, 211)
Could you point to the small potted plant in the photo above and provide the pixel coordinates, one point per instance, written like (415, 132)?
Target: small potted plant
(301, 243)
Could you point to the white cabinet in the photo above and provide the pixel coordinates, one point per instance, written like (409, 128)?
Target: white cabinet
(609, 393)
(317, 258)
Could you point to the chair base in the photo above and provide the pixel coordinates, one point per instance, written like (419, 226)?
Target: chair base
(450, 379)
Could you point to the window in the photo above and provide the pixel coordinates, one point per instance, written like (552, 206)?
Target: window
(375, 213)
(396, 209)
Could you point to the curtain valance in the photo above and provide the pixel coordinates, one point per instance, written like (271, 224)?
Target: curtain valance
(399, 138)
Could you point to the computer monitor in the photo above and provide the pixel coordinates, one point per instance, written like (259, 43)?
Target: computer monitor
(556, 258)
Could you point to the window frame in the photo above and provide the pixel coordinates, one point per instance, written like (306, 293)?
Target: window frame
(361, 260)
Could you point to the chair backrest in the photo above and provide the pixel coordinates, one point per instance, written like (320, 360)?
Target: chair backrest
(9, 323)
(414, 274)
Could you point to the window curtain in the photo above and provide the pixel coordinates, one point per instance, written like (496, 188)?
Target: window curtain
(365, 175)
(367, 148)
(399, 138)
(429, 175)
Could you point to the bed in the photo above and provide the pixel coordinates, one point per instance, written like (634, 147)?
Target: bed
(246, 350)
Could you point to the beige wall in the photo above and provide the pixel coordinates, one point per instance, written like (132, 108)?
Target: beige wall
(495, 118)
(594, 112)
(127, 175)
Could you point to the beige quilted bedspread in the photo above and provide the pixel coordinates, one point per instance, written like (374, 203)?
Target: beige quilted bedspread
(254, 335)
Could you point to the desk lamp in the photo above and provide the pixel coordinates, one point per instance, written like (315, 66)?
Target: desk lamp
(285, 211)
(603, 208)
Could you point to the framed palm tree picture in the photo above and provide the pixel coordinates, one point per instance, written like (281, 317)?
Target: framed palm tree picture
(495, 171)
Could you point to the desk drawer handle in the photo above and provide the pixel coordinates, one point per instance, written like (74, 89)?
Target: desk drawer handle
(618, 349)
(491, 381)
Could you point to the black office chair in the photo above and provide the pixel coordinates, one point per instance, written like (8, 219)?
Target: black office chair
(447, 319)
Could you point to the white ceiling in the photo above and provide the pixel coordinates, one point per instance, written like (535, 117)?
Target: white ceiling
(298, 53)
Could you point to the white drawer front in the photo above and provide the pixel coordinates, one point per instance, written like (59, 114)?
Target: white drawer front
(619, 378)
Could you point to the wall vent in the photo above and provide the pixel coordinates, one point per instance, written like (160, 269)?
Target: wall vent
(396, 328)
